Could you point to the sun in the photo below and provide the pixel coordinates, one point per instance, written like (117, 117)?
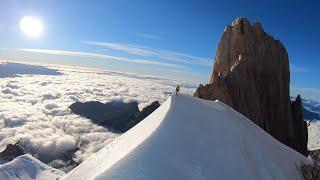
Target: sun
(31, 26)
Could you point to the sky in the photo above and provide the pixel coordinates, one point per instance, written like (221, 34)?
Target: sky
(167, 38)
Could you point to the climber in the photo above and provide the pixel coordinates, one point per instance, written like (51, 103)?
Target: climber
(177, 89)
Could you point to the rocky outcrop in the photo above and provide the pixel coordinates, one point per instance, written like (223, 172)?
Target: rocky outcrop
(315, 154)
(251, 74)
(117, 116)
(12, 151)
(300, 129)
(148, 110)
(312, 171)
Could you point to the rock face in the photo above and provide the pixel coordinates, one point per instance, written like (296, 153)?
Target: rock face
(251, 74)
(12, 151)
(300, 129)
(117, 116)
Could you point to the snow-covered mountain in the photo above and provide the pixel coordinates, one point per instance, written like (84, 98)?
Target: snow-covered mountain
(27, 167)
(311, 105)
(190, 138)
(311, 109)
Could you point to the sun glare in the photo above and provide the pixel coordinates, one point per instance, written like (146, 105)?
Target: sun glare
(31, 27)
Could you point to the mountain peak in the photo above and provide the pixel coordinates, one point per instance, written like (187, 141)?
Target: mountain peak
(251, 74)
(241, 21)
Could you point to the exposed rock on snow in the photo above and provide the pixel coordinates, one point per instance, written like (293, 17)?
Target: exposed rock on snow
(251, 74)
(118, 116)
(182, 140)
(315, 154)
(12, 151)
(27, 167)
(310, 172)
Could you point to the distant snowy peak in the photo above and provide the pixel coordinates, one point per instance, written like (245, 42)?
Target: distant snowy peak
(190, 138)
(312, 103)
(27, 167)
(311, 109)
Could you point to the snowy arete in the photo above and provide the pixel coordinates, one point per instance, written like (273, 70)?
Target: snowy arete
(190, 138)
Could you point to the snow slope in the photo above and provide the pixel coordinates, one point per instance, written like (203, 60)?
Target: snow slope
(27, 167)
(314, 135)
(190, 138)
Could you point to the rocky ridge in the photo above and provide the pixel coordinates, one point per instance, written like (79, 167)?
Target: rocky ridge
(116, 116)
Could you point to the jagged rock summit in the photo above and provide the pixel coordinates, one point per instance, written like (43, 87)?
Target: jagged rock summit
(251, 74)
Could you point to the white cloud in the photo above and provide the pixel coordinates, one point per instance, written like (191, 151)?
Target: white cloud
(149, 36)
(51, 106)
(12, 85)
(34, 109)
(103, 56)
(152, 52)
(298, 69)
(8, 90)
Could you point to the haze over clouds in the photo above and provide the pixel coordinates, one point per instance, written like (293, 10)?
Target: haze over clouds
(152, 52)
(34, 109)
(103, 56)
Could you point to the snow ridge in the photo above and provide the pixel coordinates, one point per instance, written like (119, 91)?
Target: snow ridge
(191, 138)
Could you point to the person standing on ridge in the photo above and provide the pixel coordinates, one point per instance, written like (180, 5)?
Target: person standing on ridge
(177, 89)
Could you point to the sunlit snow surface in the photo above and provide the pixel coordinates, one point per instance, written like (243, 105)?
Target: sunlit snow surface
(27, 167)
(190, 138)
(34, 108)
(314, 135)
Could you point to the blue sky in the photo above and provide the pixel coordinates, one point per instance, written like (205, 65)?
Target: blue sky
(164, 37)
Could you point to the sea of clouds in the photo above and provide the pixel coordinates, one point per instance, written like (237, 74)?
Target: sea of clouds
(34, 109)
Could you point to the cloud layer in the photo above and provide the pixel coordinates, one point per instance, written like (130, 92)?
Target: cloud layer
(34, 109)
